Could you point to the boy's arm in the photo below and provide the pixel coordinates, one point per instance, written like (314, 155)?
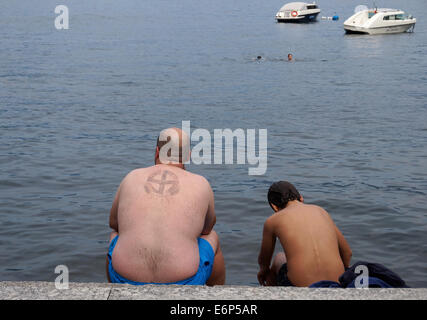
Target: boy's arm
(344, 247)
(267, 249)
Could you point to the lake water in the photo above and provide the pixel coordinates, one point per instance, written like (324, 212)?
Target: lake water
(80, 108)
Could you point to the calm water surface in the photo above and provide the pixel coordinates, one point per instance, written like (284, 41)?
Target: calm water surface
(79, 108)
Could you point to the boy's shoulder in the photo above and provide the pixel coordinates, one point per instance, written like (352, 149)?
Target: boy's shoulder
(282, 214)
(276, 217)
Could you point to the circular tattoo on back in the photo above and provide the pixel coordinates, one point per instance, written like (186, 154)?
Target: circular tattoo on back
(163, 182)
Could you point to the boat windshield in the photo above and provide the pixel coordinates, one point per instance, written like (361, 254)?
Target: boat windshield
(311, 6)
(396, 17)
(371, 14)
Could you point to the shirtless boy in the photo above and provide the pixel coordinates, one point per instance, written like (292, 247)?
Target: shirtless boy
(162, 219)
(314, 248)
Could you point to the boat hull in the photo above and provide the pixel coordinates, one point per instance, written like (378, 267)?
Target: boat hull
(306, 18)
(379, 30)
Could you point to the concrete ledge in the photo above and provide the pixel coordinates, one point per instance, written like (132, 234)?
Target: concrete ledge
(105, 291)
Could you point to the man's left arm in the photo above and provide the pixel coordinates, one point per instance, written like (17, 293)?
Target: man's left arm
(210, 219)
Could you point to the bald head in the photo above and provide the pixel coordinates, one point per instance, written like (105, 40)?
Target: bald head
(173, 146)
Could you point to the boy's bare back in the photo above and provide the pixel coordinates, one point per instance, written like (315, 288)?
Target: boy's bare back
(310, 241)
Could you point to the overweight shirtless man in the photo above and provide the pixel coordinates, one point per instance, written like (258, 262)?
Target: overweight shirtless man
(163, 218)
(314, 248)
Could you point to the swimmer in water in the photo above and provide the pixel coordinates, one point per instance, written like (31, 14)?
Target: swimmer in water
(289, 56)
(259, 58)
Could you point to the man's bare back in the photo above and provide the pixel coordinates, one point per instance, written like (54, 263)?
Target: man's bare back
(314, 248)
(159, 213)
(162, 212)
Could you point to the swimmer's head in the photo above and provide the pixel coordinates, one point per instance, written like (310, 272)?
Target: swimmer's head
(173, 147)
(280, 193)
(289, 56)
(259, 58)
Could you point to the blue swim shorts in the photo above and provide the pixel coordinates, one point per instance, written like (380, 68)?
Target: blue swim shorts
(206, 261)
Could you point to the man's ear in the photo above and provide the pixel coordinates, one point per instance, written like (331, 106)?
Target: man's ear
(189, 158)
(275, 208)
(156, 156)
(301, 199)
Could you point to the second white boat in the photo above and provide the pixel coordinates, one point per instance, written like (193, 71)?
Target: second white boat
(379, 21)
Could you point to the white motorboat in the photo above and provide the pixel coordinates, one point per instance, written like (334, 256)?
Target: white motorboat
(298, 12)
(379, 21)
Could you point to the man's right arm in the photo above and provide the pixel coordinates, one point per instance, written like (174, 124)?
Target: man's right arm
(114, 223)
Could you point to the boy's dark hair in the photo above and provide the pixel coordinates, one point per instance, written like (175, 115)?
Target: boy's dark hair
(281, 192)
